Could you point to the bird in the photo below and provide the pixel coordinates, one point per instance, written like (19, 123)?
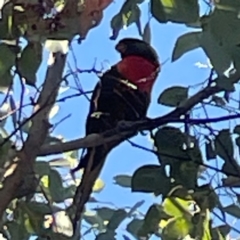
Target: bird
(123, 93)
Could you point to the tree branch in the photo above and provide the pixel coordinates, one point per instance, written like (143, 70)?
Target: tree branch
(37, 133)
(120, 132)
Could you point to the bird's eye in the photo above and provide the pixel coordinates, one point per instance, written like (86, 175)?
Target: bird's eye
(94, 22)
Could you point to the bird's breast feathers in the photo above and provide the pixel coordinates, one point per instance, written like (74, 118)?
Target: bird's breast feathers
(139, 71)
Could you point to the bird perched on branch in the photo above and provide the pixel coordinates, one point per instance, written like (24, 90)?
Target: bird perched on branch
(122, 94)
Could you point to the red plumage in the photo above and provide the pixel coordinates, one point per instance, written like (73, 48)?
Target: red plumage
(139, 71)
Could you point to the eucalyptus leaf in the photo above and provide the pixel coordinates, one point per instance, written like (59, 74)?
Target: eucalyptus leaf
(29, 62)
(173, 96)
(177, 11)
(185, 43)
(123, 180)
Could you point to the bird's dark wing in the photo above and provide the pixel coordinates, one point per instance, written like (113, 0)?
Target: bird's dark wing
(114, 99)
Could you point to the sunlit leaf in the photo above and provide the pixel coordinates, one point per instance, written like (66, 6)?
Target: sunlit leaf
(176, 207)
(177, 228)
(98, 185)
(54, 111)
(62, 224)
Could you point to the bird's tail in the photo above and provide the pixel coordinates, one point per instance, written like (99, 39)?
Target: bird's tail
(92, 164)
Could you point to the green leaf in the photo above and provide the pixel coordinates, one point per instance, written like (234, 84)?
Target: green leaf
(147, 178)
(224, 25)
(225, 84)
(219, 101)
(224, 229)
(223, 145)
(147, 33)
(7, 60)
(177, 228)
(231, 181)
(6, 81)
(58, 192)
(233, 210)
(116, 219)
(94, 219)
(206, 197)
(109, 235)
(181, 152)
(176, 207)
(30, 61)
(27, 125)
(42, 168)
(178, 11)
(4, 110)
(215, 234)
(13, 107)
(151, 221)
(209, 151)
(17, 230)
(173, 96)
(7, 30)
(135, 207)
(36, 213)
(123, 180)
(236, 129)
(185, 43)
(134, 226)
(129, 13)
(105, 213)
(217, 53)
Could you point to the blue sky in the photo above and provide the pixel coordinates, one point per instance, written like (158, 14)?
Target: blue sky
(126, 159)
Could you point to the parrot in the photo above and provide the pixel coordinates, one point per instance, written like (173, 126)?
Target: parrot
(123, 93)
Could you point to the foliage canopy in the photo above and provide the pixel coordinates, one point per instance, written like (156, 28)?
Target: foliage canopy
(32, 189)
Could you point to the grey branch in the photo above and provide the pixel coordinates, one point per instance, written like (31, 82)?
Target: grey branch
(37, 134)
(120, 132)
